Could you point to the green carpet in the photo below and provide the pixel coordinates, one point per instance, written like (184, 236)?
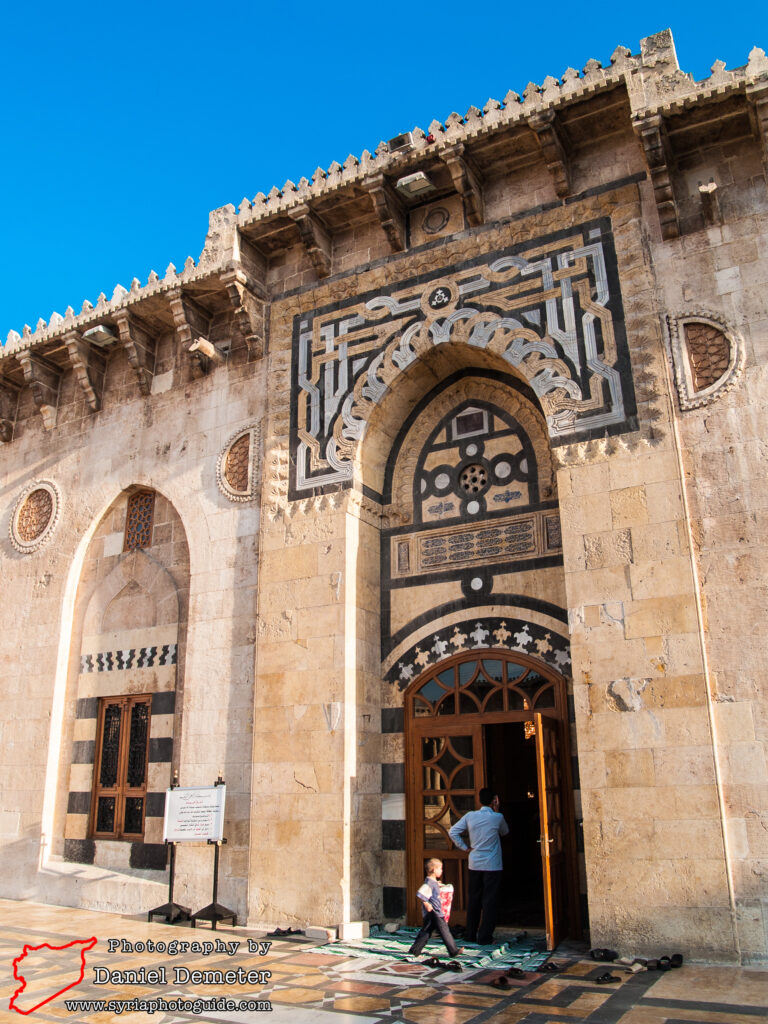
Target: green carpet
(527, 953)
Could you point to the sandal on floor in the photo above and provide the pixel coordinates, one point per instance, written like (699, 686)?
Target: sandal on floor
(432, 962)
(549, 968)
(278, 933)
(500, 982)
(676, 960)
(664, 963)
(606, 979)
(515, 972)
(453, 965)
(652, 965)
(606, 955)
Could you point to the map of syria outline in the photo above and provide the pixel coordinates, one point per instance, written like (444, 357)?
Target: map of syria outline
(38, 987)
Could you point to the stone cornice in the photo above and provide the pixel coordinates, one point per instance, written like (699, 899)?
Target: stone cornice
(107, 310)
(655, 87)
(654, 82)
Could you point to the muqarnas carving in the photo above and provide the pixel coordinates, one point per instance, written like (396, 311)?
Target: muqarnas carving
(707, 357)
(550, 308)
(237, 463)
(35, 516)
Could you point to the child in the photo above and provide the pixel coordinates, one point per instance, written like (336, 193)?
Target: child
(429, 894)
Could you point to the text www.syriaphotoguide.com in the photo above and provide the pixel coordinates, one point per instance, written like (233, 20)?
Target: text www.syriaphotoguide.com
(159, 1005)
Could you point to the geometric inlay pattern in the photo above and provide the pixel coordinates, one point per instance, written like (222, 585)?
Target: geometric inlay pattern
(551, 308)
(34, 516)
(377, 986)
(138, 657)
(481, 634)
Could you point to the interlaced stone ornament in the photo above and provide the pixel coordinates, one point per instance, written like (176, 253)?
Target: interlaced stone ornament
(35, 516)
(550, 308)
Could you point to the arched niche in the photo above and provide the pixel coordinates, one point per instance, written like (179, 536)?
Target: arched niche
(129, 633)
(459, 573)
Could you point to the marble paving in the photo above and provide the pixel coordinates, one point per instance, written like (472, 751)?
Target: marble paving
(304, 986)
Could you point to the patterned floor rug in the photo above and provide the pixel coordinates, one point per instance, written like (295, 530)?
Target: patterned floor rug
(526, 953)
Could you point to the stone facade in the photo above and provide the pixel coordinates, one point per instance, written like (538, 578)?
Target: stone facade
(490, 400)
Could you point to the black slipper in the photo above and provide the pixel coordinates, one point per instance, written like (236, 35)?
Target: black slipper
(652, 965)
(676, 960)
(606, 979)
(664, 963)
(605, 955)
(549, 968)
(500, 982)
(454, 965)
(515, 972)
(278, 933)
(432, 962)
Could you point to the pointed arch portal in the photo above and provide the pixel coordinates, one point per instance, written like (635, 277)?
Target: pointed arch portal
(494, 718)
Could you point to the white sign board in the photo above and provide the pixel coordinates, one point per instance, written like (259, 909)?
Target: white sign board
(194, 814)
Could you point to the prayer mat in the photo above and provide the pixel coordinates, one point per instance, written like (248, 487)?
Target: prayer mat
(527, 953)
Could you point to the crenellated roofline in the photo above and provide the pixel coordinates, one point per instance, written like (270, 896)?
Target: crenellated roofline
(232, 262)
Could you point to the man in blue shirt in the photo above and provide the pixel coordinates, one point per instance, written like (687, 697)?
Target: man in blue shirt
(484, 829)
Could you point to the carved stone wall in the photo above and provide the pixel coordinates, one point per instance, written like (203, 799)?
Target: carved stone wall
(524, 343)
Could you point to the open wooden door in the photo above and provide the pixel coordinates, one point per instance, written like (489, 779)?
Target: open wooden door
(551, 839)
(449, 759)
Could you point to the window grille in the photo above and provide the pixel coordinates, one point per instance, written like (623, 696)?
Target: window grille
(138, 521)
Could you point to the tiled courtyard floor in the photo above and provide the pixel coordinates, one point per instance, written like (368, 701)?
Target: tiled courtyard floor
(308, 987)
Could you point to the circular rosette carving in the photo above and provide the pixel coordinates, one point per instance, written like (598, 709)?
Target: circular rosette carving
(35, 516)
(237, 464)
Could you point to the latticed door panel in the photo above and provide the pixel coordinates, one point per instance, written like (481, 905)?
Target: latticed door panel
(448, 778)
(448, 785)
(120, 776)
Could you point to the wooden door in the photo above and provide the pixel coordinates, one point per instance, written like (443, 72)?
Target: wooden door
(449, 775)
(551, 839)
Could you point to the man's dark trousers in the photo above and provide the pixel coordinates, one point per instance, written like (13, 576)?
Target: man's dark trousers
(483, 905)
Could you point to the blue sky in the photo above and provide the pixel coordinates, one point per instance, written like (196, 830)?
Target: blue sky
(123, 125)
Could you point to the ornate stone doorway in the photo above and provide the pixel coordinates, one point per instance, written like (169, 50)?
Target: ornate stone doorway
(494, 718)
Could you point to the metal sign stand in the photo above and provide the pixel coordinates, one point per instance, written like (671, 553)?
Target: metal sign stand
(215, 912)
(172, 912)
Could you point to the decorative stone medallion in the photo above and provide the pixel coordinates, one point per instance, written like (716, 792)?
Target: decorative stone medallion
(707, 357)
(236, 466)
(35, 516)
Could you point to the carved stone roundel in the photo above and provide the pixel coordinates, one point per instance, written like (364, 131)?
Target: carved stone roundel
(35, 516)
(707, 357)
(236, 466)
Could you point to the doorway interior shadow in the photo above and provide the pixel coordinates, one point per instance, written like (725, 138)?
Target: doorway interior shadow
(498, 719)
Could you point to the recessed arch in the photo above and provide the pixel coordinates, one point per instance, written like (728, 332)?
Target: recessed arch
(129, 625)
